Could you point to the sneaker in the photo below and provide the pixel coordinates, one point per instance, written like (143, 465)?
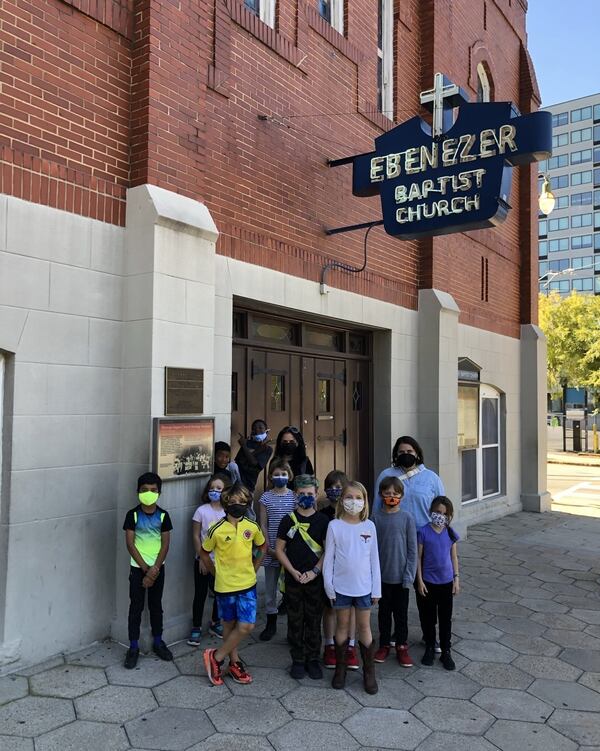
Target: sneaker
(131, 658)
(237, 670)
(297, 670)
(314, 670)
(216, 629)
(195, 637)
(213, 667)
(329, 656)
(427, 658)
(351, 658)
(382, 654)
(163, 652)
(437, 649)
(403, 657)
(447, 661)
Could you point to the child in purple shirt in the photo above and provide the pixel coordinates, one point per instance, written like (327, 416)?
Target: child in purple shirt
(437, 579)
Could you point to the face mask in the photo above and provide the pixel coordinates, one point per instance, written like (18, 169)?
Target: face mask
(333, 494)
(214, 495)
(391, 500)
(440, 520)
(406, 461)
(260, 437)
(353, 505)
(237, 510)
(288, 447)
(148, 498)
(280, 481)
(306, 501)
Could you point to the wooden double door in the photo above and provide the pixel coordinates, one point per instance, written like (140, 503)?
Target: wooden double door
(327, 398)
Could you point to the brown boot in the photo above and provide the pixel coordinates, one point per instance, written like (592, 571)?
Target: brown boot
(339, 677)
(368, 654)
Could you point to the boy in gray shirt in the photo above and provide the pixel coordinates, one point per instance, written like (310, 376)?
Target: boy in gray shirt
(397, 541)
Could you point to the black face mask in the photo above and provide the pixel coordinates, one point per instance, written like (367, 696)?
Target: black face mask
(237, 510)
(289, 446)
(406, 461)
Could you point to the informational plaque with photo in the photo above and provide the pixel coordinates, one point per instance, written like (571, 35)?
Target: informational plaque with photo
(183, 448)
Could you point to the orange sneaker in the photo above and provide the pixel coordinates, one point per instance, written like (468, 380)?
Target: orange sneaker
(213, 667)
(382, 653)
(329, 656)
(238, 672)
(351, 658)
(403, 656)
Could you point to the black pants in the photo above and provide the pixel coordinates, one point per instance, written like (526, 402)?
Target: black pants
(437, 605)
(202, 583)
(137, 596)
(394, 602)
(305, 603)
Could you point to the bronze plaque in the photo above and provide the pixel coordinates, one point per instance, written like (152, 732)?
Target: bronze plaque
(184, 391)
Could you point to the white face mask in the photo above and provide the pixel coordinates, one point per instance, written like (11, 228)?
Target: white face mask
(353, 505)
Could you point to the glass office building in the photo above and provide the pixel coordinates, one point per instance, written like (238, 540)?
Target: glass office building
(569, 238)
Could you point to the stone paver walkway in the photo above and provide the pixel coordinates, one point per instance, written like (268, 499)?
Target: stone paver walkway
(526, 644)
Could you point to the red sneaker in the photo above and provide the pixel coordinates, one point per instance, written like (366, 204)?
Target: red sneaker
(238, 672)
(329, 656)
(213, 667)
(351, 658)
(402, 655)
(382, 654)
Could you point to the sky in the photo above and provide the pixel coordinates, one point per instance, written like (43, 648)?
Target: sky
(564, 41)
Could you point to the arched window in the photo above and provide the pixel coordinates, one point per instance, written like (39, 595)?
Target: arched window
(484, 92)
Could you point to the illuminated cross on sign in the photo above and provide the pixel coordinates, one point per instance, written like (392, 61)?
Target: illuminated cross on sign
(444, 96)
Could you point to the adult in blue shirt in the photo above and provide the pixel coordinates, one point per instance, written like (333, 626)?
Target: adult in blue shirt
(421, 486)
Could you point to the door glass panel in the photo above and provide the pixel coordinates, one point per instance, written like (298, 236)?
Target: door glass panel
(277, 393)
(489, 421)
(322, 339)
(324, 396)
(357, 396)
(469, 475)
(468, 416)
(275, 331)
(234, 392)
(490, 471)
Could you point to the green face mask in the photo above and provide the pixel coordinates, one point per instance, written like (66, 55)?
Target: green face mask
(148, 498)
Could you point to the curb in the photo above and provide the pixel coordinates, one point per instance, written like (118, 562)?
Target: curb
(579, 462)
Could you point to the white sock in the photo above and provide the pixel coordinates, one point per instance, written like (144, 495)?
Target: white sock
(329, 642)
(351, 642)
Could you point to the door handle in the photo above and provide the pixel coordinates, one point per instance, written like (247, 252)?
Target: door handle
(324, 417)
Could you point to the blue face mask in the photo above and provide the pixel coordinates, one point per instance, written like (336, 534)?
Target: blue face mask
(280, 481)
(305, 501)
(333, 494)
(260, 437)
(214, 495)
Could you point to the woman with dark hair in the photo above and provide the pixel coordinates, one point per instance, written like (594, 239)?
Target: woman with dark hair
(421, 485)
(291, 448)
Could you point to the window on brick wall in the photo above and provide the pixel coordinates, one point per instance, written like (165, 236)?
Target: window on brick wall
(385, 58)
(333, 12)
(264, 9)
(484, 92)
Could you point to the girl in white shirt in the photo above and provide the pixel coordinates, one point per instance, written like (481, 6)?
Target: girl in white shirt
(352, 579)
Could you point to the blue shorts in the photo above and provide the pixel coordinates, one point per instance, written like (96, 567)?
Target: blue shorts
(238, 607)
(347, 601)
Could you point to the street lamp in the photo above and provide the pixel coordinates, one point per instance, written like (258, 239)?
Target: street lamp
(546, 201)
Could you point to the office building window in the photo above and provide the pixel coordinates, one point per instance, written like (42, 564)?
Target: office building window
(581, 199)
(597, 285)
(333, 12)
(562, 202)
(561, 265)
(596, 112)
(597, 220)
(578, 157)
(597, 155)
(559, 181)
(543, 228)
(597, 199)
(585, 134)
(556, 224)
(597, 241)
(597, 177)
(581, 220)
(562, 160)
(385, 57)
(581, 178)
(585, 262)
(584, 113)
(542, 268)
(560, 119)
(543, 248)
(563, 286)
(264, 9)
(558, 246)
(584, 285)
(581, 241)
(561, 139)
(596, 133)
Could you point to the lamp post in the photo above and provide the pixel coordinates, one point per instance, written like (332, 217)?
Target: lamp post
(546, 201)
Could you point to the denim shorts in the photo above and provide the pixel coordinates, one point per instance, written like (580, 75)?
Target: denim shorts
(347, 601)
(237, 607)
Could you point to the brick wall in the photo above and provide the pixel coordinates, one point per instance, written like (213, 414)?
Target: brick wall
(98, 96)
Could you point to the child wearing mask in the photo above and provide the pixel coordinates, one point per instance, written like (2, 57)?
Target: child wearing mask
(352, 578)
(438, 579)
(209, 512)
(397, 543)
(223, 463)
(254, 454)
(232, 539)
(273, 505)
(299, 549)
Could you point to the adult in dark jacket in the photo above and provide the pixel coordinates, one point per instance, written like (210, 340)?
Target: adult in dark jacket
(291, 448)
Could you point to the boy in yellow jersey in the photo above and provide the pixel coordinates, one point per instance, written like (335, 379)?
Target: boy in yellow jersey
(232, 539)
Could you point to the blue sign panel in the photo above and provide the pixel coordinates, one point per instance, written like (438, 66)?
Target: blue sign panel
(457, 180)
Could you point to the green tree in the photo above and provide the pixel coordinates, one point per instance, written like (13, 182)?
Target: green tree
(572, 328)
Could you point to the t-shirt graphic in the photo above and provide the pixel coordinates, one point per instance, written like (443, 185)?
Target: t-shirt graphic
(148, 529)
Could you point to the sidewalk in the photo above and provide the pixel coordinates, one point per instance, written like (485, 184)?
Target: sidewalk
(568, 457)
(526, 645)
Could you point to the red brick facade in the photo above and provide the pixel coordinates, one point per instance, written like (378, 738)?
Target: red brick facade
(100, 95)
